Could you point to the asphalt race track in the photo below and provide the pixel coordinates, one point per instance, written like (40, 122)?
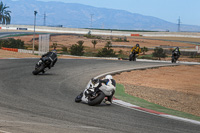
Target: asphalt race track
(45, 103)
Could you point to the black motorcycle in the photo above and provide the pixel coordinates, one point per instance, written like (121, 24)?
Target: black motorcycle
(132, 56)
(41, 66)
(175, 57)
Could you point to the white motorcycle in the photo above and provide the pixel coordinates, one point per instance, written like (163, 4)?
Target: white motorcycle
(93, 96)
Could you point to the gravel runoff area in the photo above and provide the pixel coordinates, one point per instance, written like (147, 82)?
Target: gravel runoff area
(176, 87)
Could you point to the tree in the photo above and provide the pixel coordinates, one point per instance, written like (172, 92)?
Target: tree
(54, 45)
(94, 42)
(12, 43)
(107, 51)
(5, 17)
(80, 42)
(77, 49)
(144, 49)
(159, 52)
(108, 45)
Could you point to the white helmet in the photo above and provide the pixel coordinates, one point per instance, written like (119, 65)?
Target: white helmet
(108, 77)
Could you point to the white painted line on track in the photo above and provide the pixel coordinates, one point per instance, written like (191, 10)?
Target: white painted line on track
(135, 107)
(181, 119)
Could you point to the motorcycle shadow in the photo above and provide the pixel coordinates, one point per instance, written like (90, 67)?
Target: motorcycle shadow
(45, 74)
(102, 104)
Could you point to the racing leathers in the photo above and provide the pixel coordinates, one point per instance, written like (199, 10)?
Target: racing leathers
(52, 57)
(108, 86)
(136, 50)
(176, 52)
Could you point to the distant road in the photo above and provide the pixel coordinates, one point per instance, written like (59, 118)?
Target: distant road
(97, 32)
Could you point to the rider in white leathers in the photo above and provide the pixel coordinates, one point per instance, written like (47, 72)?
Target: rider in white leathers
(107, 85)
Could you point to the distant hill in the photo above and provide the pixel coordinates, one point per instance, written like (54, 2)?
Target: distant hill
(79, 16)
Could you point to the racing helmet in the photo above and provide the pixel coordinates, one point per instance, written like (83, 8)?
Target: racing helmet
(108, 77)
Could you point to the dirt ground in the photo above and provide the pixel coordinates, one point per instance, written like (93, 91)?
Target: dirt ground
(172, 87)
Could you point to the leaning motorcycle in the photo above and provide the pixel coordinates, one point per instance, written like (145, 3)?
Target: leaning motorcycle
(90, 95)
(133, 56)
(41, 66)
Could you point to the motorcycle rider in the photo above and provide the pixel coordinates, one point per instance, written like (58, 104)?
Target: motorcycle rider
(176, 52)
(136, 49)
(108, 84)
(52, 55)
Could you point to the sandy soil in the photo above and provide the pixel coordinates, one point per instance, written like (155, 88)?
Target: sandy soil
(173, 87)
(68, 40)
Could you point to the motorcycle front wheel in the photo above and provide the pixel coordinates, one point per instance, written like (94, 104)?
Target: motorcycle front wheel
(38, 69)
(130, 57)
(97, 100)
(173, 60)
(78, 98)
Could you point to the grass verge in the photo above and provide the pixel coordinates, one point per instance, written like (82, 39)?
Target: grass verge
(120, 94)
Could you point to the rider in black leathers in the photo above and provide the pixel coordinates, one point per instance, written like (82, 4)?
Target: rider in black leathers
(176, 52)
(52, 56)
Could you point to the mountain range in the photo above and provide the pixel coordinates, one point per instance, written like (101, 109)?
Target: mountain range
(83, 16)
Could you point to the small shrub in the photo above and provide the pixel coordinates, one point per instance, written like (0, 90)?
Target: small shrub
(108, 45)
(64, 49)
(144, 49)
(77, 49)
(80, 42)
(107, 51)
(159, 52)
(54, 45)
(121, 40)
(36, 47)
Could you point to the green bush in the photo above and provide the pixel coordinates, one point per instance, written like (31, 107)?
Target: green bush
(106, 51)
(64, 49)
(159, 52)
(12, 43)
(121, 40)
(77, 49)
(89, 35)
(144, 49)
(36, 47)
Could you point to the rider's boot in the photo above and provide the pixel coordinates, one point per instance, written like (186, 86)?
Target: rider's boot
(107, 102)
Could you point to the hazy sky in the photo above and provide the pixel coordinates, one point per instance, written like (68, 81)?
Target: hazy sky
(169, 10)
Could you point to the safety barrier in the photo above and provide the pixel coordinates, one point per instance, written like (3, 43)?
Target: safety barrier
(135, 34)
(30, 51)
(10, 49)
(22, 50)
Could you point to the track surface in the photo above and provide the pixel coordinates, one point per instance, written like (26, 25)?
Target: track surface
(45, 103)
